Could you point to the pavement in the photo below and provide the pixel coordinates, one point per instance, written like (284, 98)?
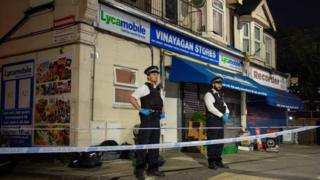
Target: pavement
(292, 162)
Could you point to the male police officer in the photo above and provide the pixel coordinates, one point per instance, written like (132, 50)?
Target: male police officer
(217, 114)
(150, 111)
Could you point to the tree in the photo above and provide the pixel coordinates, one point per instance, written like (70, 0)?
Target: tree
(299, 54)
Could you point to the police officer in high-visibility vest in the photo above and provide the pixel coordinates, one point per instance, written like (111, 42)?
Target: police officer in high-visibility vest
(217, 113)
(150, 111)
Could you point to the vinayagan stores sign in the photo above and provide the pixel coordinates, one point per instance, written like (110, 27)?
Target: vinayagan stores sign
(267, 79)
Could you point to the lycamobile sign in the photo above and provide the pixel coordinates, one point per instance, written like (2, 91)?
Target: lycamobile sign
(123, 24)
(17, 71)
(230, 62)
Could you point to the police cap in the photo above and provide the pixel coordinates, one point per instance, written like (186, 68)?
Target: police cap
(151, 69)
(217, 79)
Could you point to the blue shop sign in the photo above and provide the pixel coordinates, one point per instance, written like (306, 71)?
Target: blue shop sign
(172, 41)
(17, 90)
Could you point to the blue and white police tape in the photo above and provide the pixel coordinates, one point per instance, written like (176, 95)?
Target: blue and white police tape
(34, 150)
(148, 128)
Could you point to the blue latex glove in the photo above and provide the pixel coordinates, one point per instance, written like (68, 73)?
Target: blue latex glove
(162, 115)
(225, 117)
(145, 112)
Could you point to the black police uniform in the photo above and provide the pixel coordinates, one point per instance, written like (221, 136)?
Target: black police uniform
(154, 102)
(214, 151)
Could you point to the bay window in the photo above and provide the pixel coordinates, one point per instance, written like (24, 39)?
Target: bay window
(257, 40)
(246, 37)
(259, 45)
(270, 49)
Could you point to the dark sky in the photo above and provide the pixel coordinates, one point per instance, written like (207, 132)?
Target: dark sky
(294, 14)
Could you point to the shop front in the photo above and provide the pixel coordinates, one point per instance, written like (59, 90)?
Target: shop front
(172, 52)
(189, 66)
(194, 79)
(87, 86)
(270, 111)
(186, 97)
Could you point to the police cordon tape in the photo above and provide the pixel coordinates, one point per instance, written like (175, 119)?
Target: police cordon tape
(36, 150)
(148, 128)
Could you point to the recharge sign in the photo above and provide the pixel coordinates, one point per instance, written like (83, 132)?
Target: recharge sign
(123, 24)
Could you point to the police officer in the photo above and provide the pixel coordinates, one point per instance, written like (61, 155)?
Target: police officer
(150, 111)
(217, 113)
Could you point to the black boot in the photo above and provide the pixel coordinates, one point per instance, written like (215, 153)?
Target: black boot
(139, 174)
(156, 173)
(220, 164)
(212, 165)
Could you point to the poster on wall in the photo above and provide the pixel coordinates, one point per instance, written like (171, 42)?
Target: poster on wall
(17, 103)
(53, 100)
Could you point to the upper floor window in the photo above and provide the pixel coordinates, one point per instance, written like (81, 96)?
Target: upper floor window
(257, 40)
(246, 37)
(257, 44)
(218, 16)
(171, 10)
(270, 48)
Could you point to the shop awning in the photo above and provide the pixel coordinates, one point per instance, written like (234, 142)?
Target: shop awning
(187, 71)
(283, 99)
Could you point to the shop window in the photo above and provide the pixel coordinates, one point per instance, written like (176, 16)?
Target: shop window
(125, 83)
(218, 16)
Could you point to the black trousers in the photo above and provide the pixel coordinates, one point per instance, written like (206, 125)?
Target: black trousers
(148, 157)
(214, 151)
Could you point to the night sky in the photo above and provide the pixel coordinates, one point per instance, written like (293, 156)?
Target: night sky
(292, 14)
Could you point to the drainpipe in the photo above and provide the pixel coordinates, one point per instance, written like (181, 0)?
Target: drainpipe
(94, 57)
(151, 51)
(162, 82)
(243, 110)
(162, 68)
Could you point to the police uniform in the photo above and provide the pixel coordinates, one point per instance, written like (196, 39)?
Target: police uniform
(215, 109)
(151, 97)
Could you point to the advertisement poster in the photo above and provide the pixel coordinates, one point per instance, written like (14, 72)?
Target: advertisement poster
(17, 103)
(53, 100)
